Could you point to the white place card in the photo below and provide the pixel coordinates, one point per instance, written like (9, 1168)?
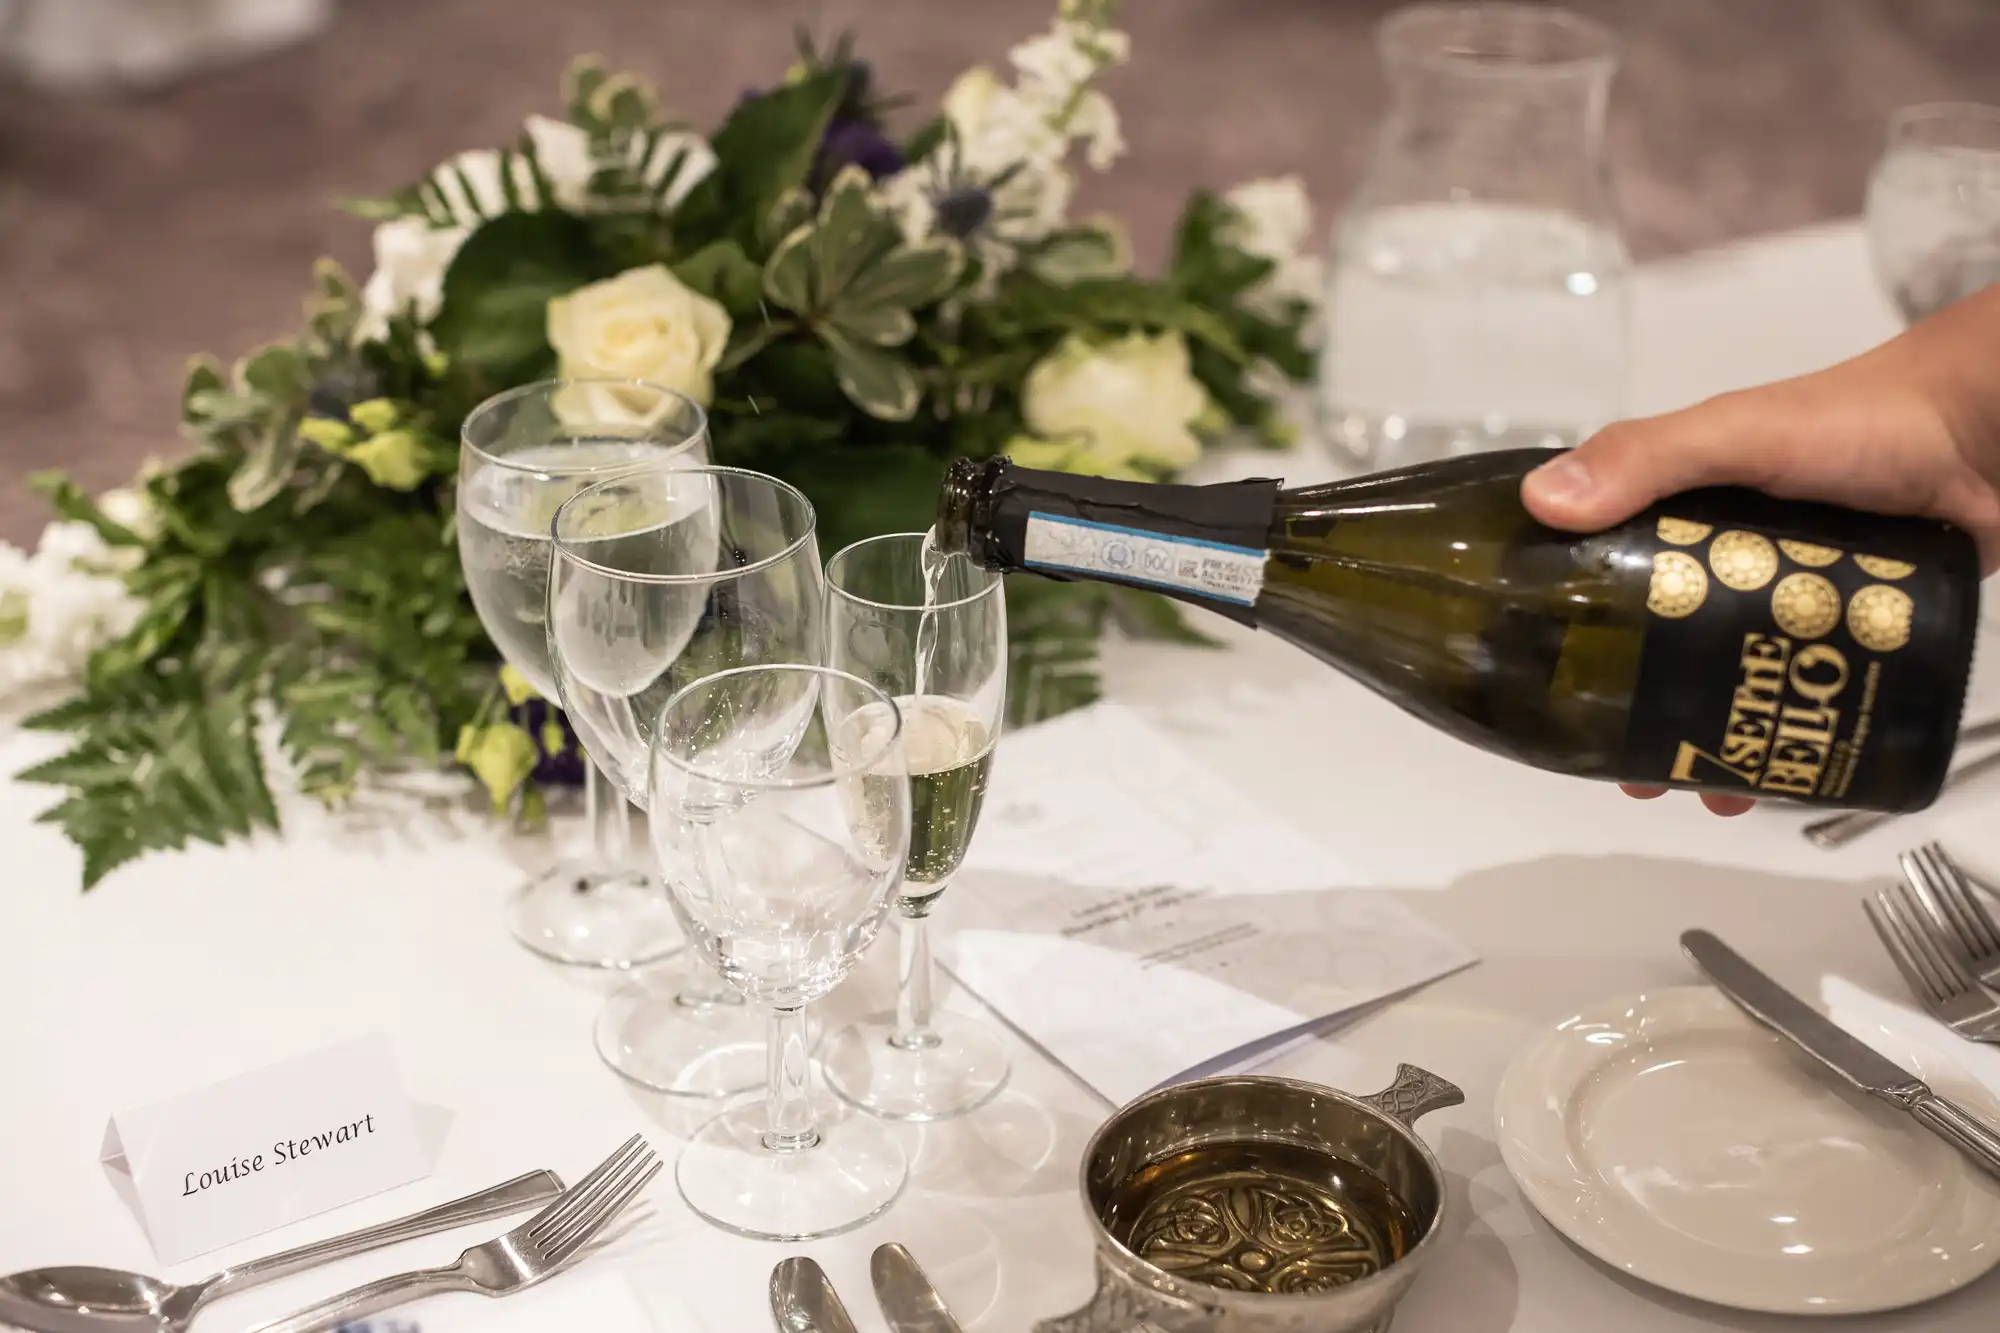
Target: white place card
(265, 1149)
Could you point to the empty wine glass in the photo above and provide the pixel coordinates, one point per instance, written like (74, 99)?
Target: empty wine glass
(917, 1063)
(1934, 205)
(662, 576)
(780, 814)
(522, 453)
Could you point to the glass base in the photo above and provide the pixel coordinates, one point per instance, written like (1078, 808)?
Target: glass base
(584, 916)
(855, 1171)
(962, 1072)
(651, 1036)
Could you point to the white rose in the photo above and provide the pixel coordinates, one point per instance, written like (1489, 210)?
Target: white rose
(411, 257)
(645, 324)
(1134, 401)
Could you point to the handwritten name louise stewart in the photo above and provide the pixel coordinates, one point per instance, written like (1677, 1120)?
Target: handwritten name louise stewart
(286, 1150)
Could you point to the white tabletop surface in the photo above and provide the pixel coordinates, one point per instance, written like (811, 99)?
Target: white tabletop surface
(189, 967)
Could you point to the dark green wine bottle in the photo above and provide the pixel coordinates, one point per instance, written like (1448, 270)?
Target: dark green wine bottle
(1722, 641)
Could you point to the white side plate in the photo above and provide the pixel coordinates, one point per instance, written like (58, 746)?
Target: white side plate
(1674, 1138)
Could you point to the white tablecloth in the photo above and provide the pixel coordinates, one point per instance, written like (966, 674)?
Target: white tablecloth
(185, 968)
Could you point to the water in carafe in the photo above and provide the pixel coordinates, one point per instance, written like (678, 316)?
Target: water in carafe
(1480, 290)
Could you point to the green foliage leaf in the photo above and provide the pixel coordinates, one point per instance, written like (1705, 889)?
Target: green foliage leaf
(494, 318)
(1034, 306)
(157, 769)
(267, 469)
(911, 277)
(275, 373)
(764, 150)
(723, 273)
(926, 140)
(70, 501)
(883, 326)
(878, 382)
(861, 492)
(793, 209)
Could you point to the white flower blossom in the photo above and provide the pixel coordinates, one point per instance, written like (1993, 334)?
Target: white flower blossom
(1274, 221)
(1013, 143)
(411, 257)
(58, 606)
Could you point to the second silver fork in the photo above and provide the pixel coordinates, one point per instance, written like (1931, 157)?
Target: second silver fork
(1951, 994)
(536, 1249)
(1948, 899)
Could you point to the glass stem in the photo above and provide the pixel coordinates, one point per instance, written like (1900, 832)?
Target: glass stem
(788, 1117)
(914, 991)
(610, 826)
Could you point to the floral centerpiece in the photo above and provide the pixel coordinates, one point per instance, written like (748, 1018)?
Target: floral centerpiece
(854, 307)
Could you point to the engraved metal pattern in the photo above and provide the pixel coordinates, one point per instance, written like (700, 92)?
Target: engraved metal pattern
(1248, 1231)
(1121, 1305)
(1415, 1092)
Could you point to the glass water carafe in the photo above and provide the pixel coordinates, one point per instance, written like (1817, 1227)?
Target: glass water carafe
(1480, 290)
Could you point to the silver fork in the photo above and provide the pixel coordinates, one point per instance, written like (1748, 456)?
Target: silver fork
(1946, 895)
(507, 1264)
(1952, 994)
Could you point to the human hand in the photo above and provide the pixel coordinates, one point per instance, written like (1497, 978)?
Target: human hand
(1912, 427)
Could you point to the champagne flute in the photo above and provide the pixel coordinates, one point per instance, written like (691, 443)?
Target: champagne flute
(660, 577)
(949, 678)
(1934, 205)
(522, 453)
(780, 813)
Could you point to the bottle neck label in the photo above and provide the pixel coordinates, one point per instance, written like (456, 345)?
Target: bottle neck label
(1778, 667)
(1209, 570)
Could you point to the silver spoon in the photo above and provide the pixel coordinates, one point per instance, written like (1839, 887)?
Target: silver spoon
(109, 1300)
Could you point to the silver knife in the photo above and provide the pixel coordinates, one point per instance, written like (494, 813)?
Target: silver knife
(910, 1302)
(1788, 1016)
(803, 1299)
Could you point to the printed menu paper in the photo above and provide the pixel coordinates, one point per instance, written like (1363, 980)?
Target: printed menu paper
(265, 1149)
(1142, 921)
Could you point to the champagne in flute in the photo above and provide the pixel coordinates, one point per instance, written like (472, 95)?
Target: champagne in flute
(948, 749)
(930, 630)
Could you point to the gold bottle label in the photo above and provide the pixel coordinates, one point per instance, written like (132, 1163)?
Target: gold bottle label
(1775, 666)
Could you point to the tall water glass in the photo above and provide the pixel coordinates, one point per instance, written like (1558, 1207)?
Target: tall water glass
(1478, 297)
(660, 577)
(918, 1063)
(521, 454)
(1934, 205)
(781, 819)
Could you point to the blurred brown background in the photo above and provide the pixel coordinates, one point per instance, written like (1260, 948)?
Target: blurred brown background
(138, 228)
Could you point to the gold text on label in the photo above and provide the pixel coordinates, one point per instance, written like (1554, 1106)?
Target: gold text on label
(1782, 720)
